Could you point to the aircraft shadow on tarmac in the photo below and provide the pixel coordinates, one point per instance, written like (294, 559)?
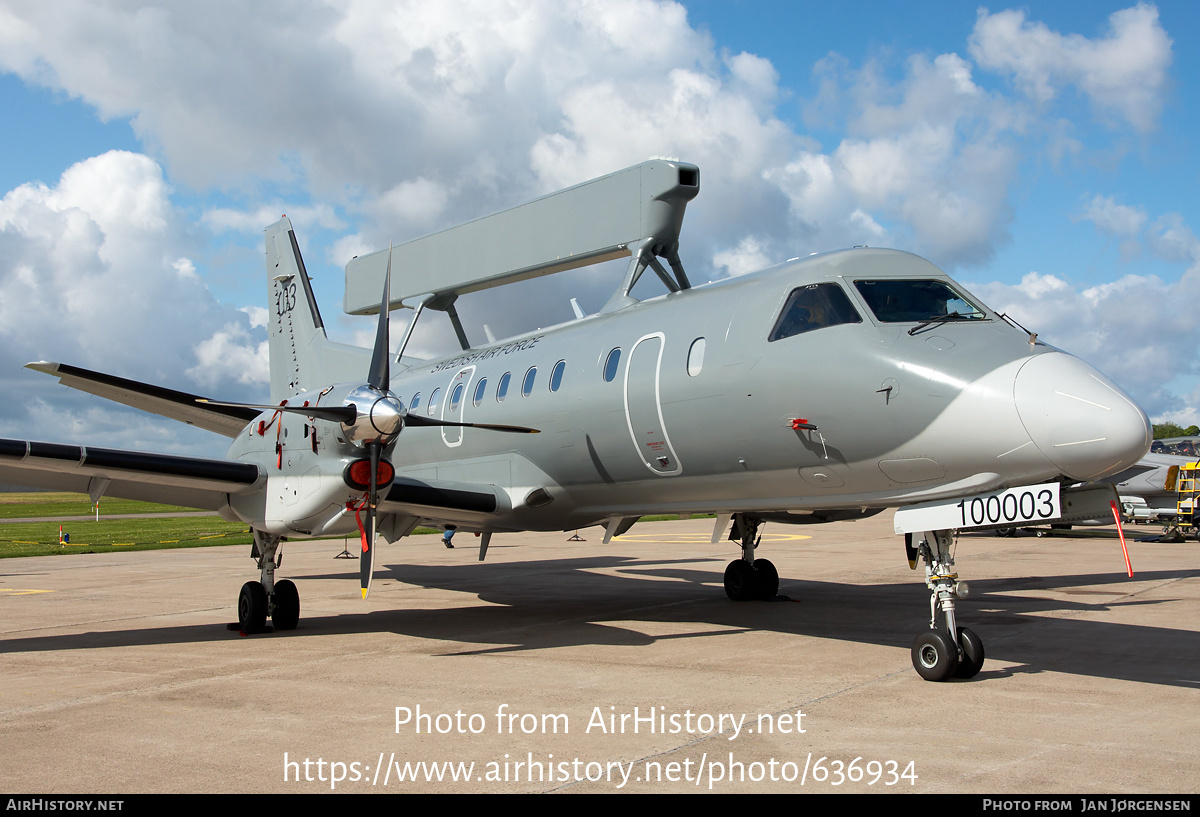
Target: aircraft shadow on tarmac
(1022, 630)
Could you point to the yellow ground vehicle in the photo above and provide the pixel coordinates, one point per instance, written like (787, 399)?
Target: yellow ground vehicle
(1187, 489)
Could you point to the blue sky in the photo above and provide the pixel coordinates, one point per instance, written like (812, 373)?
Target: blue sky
(1043, 154)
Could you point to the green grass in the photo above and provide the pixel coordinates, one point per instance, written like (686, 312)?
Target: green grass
(108, 535)
(41, 538)
(19, 505)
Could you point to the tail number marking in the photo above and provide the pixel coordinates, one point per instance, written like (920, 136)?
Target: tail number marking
(1028, 503)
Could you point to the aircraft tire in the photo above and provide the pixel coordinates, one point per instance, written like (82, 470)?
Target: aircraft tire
(934, 655)
(768, 579)
(287, 606)
(741, 581)
(252, 607)
(973, 654)
(1006, 532)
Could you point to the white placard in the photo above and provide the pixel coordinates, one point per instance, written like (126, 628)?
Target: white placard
(1016, 506)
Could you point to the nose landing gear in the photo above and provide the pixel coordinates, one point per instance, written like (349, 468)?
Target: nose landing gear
(936, 656)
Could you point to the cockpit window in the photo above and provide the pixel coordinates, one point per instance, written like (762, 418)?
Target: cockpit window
(814, 307)
(898, 301)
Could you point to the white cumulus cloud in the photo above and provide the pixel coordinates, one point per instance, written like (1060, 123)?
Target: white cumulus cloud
(80, 284)
(1124, 72)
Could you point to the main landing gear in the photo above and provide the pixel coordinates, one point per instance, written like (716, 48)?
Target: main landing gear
(258, 600)
(936, 655)
(747, 578)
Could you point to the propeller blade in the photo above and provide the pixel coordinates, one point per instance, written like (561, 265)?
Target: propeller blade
(366, 561)
(337, 414)
(417, 420)
(379, 374)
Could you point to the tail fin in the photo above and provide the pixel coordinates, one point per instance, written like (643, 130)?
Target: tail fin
(296, 325)
(302, 356)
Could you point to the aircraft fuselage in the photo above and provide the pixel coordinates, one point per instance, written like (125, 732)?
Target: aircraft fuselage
(699, 409)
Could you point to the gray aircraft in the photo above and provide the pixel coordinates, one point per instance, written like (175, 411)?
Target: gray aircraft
(1154, 480)
(826, 388)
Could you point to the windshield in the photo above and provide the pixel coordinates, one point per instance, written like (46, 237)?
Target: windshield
(899, 301)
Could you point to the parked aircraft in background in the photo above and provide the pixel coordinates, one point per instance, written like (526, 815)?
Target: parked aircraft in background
(826, 388)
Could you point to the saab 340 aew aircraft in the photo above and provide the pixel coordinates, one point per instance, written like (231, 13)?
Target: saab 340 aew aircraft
(826, 388)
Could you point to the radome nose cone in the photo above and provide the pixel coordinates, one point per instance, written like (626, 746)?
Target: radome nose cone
(1078, 418)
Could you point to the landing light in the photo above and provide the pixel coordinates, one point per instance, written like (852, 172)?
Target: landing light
(358, 474)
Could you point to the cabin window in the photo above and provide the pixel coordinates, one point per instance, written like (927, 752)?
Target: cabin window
(556, 375)
(898, 301)
(813, 307)
(456, 396)
(527, 383)
(434, 399)
(695, 360)
(610, 364)
(502, 388)
(416, 401)
(480, 387)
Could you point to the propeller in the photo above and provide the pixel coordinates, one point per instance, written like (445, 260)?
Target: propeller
(372, 417)
(391, 419)
(348, 414)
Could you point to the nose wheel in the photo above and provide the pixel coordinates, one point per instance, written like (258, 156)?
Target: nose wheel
(936, 656)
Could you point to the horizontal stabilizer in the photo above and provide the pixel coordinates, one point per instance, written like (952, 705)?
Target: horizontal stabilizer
(177, 405)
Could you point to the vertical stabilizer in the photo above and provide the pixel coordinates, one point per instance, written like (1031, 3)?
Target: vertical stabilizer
(297, 332)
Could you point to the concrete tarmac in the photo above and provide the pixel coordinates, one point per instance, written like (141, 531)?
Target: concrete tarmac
(562, 666)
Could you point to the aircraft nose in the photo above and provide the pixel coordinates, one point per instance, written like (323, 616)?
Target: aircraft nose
(1079, 419)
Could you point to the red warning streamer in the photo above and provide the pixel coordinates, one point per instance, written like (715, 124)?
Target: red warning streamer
(1121, 533)
(362, 531)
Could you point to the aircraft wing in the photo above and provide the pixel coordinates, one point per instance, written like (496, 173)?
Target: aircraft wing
(189, 481)
(229, 421)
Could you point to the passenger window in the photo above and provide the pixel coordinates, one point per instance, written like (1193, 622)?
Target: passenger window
(434, 399)
(479, 389)
(556, 375)
(695, 361)
(416, 401)
(456, 397)
(814, 307)
(611, 363)
(527, 383)
(502, 388)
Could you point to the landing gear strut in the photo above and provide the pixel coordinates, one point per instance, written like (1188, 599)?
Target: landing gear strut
(936, 655)
(258, 600)
(747, 578)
